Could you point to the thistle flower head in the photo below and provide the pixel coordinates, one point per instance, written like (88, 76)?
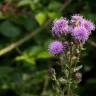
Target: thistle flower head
(76, 20)
(55, 47)
(77, 17)
(80, 34)
(60, 26)
(88, 25)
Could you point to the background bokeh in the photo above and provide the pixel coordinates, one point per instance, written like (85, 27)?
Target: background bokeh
(25, 32)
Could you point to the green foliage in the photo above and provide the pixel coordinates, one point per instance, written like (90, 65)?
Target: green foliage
(10, 30)
(41, 17)
(24, 2)
(36, 52)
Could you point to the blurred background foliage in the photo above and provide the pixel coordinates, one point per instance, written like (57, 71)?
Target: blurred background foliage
(24, 36)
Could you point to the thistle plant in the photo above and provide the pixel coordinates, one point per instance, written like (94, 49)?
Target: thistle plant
(69, 39)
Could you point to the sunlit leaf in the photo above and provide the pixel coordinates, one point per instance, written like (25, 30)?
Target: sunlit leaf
(41, 17)
(26, 58)
(44, 54)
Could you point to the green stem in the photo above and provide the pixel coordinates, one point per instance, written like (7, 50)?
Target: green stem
(70, 72)
(69, 84)
(69, 64)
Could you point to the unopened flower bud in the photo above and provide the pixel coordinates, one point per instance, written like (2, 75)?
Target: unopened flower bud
(77, 50)
(51, 71)
(68, 53)
(65, 44)
(74, 58)
(78, 76)
(72, 43)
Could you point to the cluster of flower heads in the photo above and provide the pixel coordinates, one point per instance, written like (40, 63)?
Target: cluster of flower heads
(78, 27)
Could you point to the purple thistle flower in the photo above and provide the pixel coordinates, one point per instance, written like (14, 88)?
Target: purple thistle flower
(60, 26)
(77, 17)
(76, 20)
(55, 47)
(88, 25)
(71, 27)
(80, 34)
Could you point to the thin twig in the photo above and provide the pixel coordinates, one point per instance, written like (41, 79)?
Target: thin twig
(29, 36)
